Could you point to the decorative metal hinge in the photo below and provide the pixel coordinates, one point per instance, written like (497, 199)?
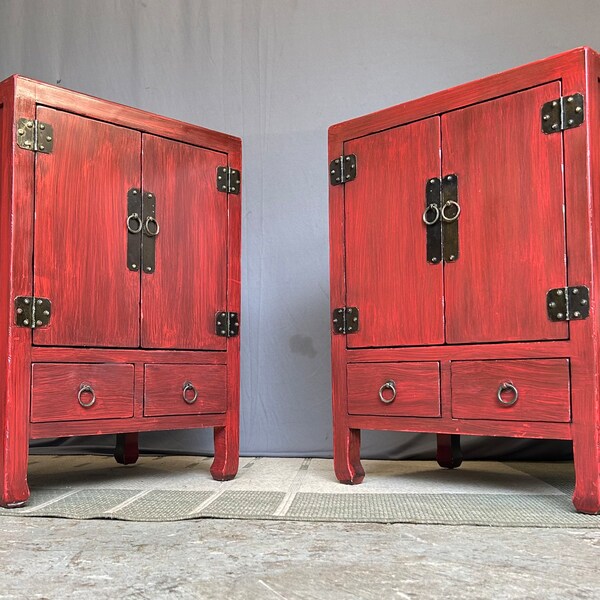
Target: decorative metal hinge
(32, 312)
(227, 324)
(569, 303)
(345, 320)
(563, 113)
(35, 135)
(342, 169)
(228, 180)
(441, 218)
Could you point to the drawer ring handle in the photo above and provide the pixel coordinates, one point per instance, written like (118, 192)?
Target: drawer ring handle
(388, 385)
(449, 204)
(149, 231)
(507, 386)
(86, 388)
(436, 215)
(130, 220)
(189, 387)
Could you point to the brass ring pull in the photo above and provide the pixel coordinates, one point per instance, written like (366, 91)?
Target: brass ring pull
(388, 385)
(134, 217)
(436, 215)
(86, 388)
(148, 231)
(507, 386)
(448, 204)
(189, 387)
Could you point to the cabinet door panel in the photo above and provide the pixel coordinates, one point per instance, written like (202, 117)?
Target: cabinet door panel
(512, 227)
(188, 287)
(398, 293)
(80, 247)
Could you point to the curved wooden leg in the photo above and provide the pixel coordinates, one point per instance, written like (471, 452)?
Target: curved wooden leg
(346, 456)
(227, 453)
(448, 454)
(126, 449)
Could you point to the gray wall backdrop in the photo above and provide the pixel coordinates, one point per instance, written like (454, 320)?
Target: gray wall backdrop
(278, 73)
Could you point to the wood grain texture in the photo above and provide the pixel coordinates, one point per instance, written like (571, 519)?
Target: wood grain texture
(582, 179)
(102, 355)
(180, 299)
(55, 390)
(511, 227)
(507, 82)
(164, 389)
(417, 389)
(126, 116)
(227, 439)
(106, 426)
(80, 260)
(16, 252)
(386, 238)
(543, 390)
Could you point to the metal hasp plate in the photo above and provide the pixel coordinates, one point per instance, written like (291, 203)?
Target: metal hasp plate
(32, 312)
(441, 218)
(432, 220)
(34, 135)
(449, 214)
(134, 229)
(228, 180)
(345, 320)
(227, 324)
(568, 304)
(150, 229)
(342, 169)
(563, 113)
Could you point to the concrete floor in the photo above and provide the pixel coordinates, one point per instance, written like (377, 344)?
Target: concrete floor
(209, 559)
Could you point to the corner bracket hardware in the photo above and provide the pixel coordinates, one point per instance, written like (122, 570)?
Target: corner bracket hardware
(569, 303)
(227, 324)
(228, 180)
(563, 113)
(345, 320)
(342, 169)
(32, 312)
(35, 136)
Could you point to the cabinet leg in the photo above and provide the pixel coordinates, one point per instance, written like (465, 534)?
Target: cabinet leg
(346, 456)
(586, 455)
(448, 454)
(227, 453)
(126, 449)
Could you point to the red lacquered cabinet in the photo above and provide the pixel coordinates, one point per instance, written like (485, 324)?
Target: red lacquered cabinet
(465, 266)
(120, 277)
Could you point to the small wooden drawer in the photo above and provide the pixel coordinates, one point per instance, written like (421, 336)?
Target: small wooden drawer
(512, 390)
(75, 392)
(185, 390)
(410, 389)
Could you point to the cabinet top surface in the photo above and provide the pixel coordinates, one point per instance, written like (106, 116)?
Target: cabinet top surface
(61, 98)
(521, 77)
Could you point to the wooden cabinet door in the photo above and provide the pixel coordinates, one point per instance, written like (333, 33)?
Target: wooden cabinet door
(512, 224)
(189, 283)
(80, 245)
(397, 292)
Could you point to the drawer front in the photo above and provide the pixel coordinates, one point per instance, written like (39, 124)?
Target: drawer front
(410, 389)
(540, 390)
(185, 390)
(75, 392)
